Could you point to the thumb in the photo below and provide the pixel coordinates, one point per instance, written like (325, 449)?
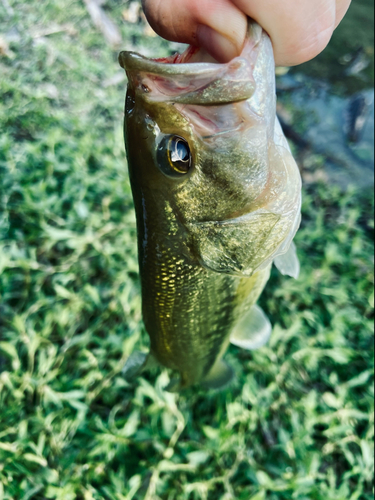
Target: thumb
(218, 26)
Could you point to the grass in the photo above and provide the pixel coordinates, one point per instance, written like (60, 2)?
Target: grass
(298, 422)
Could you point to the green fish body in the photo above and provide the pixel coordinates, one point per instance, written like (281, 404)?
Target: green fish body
(217, 196)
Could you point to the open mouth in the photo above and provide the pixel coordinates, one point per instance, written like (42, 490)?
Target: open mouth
(186, 57)
(181, 79)
(194, 77)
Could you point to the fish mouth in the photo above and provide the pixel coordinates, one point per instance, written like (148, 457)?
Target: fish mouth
(187, 79)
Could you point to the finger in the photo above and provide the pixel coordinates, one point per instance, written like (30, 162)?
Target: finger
(300, 29)
(216, 25)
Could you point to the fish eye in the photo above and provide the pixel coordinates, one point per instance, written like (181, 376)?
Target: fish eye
(174, 156)
(179, 155)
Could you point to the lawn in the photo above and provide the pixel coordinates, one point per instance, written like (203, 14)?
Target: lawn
(298, 421)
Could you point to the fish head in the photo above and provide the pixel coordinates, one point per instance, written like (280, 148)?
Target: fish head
(203, 139)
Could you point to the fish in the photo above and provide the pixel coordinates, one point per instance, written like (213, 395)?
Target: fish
(217, 196)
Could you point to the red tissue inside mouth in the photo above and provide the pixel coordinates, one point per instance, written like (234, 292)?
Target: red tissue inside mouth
(179, 58)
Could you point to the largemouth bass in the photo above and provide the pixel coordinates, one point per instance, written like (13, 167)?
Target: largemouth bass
(217, 196)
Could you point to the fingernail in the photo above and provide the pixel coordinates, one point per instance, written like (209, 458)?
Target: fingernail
(216, 44)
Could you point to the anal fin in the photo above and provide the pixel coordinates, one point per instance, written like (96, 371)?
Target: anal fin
(221, 375)
(174, 386)
(253, 331)
(136, 364)
(288, 264)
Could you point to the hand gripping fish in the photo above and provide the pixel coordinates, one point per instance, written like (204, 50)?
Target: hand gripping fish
(217, 196)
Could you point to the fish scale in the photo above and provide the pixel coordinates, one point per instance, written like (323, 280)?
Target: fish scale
(217, 196)
(200, 306)
(184, 297)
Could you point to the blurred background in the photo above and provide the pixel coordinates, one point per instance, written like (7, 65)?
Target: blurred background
(298, 421)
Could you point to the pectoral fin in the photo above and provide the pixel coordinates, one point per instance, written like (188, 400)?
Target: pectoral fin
(221, 375)
(253, 331)
(288, 264)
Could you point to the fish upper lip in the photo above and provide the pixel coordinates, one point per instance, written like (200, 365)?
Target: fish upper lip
(206, 83)
(132, 61)
(177, 80)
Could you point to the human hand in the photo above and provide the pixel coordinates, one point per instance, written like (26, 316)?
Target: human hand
(299, 29)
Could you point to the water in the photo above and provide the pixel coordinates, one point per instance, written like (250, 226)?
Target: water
(328, 103)
(348, 61)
